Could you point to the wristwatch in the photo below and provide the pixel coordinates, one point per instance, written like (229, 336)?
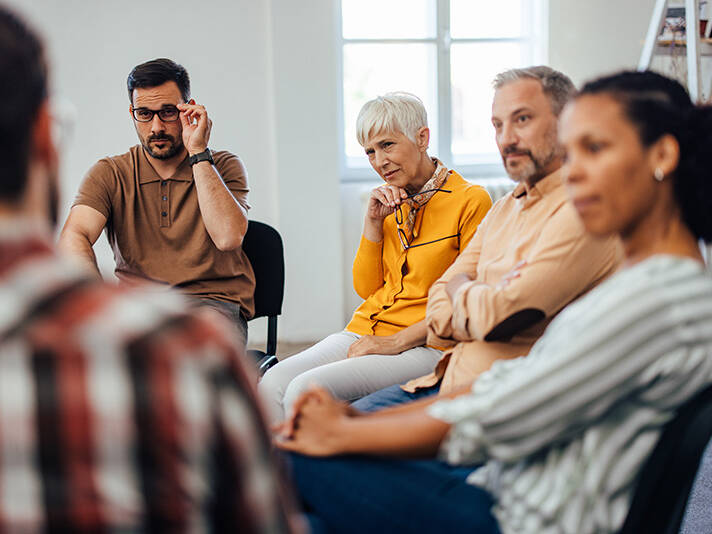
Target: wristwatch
(205, 155)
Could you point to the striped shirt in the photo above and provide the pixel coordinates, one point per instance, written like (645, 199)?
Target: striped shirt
(120, 411)
(564, 432)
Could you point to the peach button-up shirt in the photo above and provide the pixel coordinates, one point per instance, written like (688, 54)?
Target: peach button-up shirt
(535, 225)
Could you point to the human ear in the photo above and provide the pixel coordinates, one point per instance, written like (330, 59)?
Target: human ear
(422, 138)
(665, 154)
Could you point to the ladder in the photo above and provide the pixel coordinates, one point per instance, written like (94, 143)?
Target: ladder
(692, 17)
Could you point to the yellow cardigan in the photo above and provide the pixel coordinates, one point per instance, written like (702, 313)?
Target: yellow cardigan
(395, 282)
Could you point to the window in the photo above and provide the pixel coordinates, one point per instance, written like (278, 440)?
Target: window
(445, 51)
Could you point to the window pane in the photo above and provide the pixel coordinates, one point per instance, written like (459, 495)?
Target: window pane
(388, 19)
(373, 69)
(485, 18)
(474, 65)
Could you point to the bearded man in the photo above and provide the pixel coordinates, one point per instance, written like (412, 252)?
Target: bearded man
(175, 212)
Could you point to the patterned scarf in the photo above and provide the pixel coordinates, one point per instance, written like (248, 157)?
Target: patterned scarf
(419, 200)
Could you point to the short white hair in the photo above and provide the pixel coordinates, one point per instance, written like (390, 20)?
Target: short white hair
(397, 112)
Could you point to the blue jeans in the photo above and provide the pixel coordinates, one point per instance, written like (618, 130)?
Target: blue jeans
(362, 494)
(391, 396)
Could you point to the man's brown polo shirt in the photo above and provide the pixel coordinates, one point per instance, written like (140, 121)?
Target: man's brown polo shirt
(156, 231)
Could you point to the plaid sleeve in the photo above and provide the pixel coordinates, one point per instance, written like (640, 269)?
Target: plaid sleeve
(200, 421)
(252, 492)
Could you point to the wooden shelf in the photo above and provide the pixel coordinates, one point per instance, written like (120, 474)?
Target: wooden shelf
(668, 47)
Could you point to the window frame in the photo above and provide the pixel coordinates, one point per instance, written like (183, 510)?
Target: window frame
(537, 39)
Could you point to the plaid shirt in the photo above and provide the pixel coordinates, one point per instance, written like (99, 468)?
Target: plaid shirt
(119, 411)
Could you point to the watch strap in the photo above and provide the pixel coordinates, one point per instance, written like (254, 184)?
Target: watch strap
(205, 155)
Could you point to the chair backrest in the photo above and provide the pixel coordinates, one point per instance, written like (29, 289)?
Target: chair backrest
(664, 486)
(263, 246)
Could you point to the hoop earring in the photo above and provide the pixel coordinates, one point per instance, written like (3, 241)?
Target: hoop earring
(658, 174)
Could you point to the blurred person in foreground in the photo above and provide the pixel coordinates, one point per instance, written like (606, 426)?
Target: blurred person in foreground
(554, 441)
(119, 410)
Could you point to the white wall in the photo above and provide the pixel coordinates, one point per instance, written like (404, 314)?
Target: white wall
(305, 64)
(588, 38)
(268, 72)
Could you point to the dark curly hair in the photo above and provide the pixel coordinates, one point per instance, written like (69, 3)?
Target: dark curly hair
(23, 88)
(656, 106)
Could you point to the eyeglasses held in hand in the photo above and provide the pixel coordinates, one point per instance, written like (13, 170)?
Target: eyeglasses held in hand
(399, 211)
(166, 114)
(405, 242)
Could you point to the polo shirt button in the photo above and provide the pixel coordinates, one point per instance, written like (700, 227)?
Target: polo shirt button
(164, 213)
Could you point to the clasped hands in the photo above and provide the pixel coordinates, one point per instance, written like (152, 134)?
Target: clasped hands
(316, 425)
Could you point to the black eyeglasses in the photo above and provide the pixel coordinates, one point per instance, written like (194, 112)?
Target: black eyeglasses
(399, 211)
(405, 242)
(166, 114)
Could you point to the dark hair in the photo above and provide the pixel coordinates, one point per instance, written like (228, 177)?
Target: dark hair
(656, 106)
(23, 88)
(157, 72)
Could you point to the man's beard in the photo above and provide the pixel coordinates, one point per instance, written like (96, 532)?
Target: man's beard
(174, 146)
(535, 167)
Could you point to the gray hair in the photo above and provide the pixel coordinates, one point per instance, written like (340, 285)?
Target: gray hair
(556, 85)
(398, 112)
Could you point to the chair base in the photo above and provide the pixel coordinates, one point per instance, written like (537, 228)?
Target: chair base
(264, 361)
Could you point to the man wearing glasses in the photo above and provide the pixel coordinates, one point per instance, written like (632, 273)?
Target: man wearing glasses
(174, 210)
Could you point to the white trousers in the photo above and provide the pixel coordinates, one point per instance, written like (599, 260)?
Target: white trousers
(325, 364)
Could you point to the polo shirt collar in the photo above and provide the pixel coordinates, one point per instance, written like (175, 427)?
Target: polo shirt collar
(147, 174)
(529, 195)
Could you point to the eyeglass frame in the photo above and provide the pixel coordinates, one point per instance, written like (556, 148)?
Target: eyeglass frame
(397, 210)
(401, 233)
(156, 112)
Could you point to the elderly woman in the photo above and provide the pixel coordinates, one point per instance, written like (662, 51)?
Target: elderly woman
(554, 441)
(415, 226)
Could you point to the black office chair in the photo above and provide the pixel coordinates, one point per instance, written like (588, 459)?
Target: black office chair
(263, 246)
(667, 477)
